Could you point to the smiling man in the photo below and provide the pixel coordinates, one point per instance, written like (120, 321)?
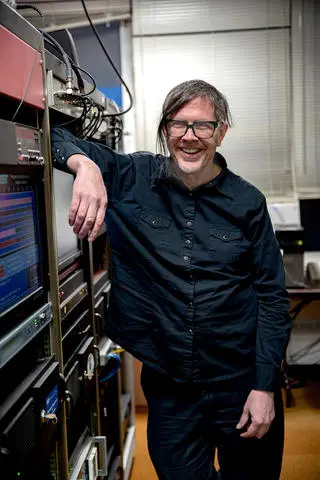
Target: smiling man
(197, 290)
(193, 135)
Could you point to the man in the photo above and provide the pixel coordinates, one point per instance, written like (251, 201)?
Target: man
(197, 289)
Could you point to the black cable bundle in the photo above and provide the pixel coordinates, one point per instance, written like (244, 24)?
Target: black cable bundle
(89, 107)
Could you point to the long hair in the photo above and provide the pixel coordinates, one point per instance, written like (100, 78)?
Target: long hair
(183, 94)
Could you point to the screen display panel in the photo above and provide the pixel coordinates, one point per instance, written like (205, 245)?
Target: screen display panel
(67, 240)
(20, 263)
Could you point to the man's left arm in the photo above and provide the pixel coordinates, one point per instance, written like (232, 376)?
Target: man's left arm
(273, 325)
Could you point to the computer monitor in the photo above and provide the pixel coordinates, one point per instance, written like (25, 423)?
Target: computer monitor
(67, 241)
(21, 262)
(310, 221)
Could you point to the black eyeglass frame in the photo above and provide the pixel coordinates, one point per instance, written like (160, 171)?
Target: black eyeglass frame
(214, 123)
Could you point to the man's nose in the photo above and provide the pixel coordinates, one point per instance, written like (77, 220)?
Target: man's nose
(189, 135)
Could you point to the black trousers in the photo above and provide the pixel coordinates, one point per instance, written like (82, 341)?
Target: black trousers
(188, 423)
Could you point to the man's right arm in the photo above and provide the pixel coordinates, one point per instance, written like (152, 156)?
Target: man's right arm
(87, 161)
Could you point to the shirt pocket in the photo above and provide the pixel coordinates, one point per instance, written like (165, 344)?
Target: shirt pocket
(153, 222)
(155, 230)
(227, 244)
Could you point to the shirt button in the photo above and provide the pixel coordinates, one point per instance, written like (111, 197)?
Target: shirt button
(188, 242)
(186, 259)
(189, 223)
(190, 331)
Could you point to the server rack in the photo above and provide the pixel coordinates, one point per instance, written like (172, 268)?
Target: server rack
(54, 355)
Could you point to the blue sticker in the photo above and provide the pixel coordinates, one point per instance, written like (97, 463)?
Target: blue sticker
(52, 401)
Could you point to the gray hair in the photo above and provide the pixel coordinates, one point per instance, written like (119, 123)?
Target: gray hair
(183, 94)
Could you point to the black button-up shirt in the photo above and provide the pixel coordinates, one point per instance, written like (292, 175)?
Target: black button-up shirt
(198, 289)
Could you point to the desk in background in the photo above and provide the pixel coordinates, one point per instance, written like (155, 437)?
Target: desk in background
(300, 299)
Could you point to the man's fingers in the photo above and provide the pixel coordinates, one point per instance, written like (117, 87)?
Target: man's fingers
(89, 201)
(89, 220)
(256, 429)
(81, 214)
(98, 223)
(74, 208)
(244, 419)
(251, 431)
(262, 431)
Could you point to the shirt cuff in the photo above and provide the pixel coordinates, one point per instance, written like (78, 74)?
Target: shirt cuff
(61, 154)
(267, 378)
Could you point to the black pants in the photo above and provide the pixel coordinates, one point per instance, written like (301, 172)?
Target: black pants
(187, 423)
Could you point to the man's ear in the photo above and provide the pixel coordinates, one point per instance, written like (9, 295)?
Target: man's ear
(220, 133)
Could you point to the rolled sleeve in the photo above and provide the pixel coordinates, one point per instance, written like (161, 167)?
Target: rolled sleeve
(118, 169)
(63, 146)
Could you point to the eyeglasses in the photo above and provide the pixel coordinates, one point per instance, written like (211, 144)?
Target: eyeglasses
(178, 128)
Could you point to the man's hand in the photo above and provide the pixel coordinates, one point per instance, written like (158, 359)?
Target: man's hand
(89, 200)
(258, 414)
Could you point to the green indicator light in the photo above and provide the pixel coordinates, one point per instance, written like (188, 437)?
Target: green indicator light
(19, 474)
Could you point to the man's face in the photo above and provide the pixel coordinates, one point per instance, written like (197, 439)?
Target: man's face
(190, 154)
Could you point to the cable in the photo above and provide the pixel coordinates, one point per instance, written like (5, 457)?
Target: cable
(69, 76)
(82, 132)
(98, 115)
(94, 85)
(78, 119)
(49, 39)
(24, 6)
(118, 350)
(117, 358)
(67, 60)
(111, 63)
(99, 120)
(53, 42)
(93, 121)
(73, 47)
(28, 6)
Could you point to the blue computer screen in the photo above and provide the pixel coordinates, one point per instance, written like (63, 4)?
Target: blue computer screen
(19, 245)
